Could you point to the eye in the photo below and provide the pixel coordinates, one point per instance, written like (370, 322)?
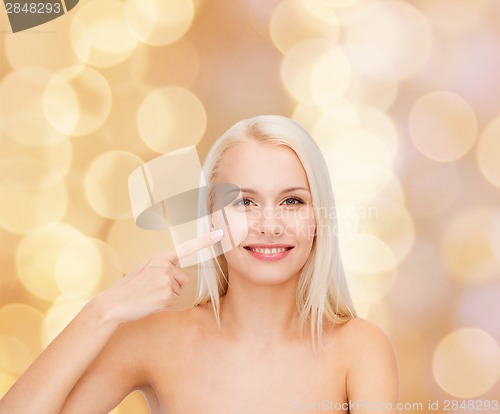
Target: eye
(294, 200)
(242, 202)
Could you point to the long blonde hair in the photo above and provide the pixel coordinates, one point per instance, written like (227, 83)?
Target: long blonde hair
(322, 291)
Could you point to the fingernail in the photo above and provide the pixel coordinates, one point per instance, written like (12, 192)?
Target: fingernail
(216, 235)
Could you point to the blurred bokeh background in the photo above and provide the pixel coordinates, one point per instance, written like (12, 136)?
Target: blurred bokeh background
(403, 98)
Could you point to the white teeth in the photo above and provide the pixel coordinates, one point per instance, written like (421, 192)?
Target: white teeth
(269, 251)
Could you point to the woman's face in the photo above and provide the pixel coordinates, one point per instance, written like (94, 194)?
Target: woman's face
(271, 219)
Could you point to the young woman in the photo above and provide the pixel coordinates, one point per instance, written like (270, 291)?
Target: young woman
(274, 329)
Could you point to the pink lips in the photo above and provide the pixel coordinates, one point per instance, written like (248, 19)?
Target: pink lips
(269, 257)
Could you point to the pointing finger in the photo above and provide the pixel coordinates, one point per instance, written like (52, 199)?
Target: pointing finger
(190, 247)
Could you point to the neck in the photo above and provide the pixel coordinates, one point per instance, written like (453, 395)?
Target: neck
(259, 314)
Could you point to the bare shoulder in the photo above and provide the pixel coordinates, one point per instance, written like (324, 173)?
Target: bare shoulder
(365, 343)
(360, 334)
(372, 367)
(357, 340)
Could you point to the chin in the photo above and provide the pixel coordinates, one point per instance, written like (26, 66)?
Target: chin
(268, 279)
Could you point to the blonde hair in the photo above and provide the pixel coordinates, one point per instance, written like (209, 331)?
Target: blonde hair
(322, 291)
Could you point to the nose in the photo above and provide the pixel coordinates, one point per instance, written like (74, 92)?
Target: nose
(269, 222)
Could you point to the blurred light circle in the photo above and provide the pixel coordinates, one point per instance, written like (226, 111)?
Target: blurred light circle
(359, 164)
(359, 145)
(111, 265)
(307, 115)
(30, 128)
(378, 123)
(443, 126)
(321, 9)
(106, 183)
(60, 105)
(47, 50)
(374, 82)
(15, 357)
(336, 3)
(77, 100)
(292, 23)
(466, 363)
(338, 118)
(21, 118)
(376, 284)
(37, 255)
(347, 217)
(24, 323)
(397, 30)
(455, 16)
(360, 298)
(467, 246)
(366, 253)
(348, 11)
(28, 172)
(298, 65)
(23, 172)
(170, 118)
(159, 22)
(316, 72)
(35, 167)
(99, 34)
(78, 267)
(393, 191)
(431, 187)
(488, 152)
(24, 209)
(64, 308)
(134, 245)
(381, 315)
(479, 307)
(331, 77)
(392, 223)
(362, 182)
(466, 65)
(98, 267)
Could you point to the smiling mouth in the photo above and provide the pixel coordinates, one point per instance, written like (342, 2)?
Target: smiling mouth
(274, 250)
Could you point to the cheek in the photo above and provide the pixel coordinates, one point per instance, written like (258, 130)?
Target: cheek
(236, 229)
(302, 225)
(239, 225)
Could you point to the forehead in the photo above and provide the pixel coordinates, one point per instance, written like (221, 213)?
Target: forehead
(258, 165)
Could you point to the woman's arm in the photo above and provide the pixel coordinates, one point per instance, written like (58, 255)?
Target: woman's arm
(372, 378)
(92, 362)
(122, 366)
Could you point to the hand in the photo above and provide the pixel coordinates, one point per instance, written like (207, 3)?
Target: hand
(155, 285)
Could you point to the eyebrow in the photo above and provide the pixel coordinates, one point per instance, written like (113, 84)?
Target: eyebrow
(251, 191)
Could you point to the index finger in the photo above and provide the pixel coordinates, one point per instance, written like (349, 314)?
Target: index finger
(190, 247)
